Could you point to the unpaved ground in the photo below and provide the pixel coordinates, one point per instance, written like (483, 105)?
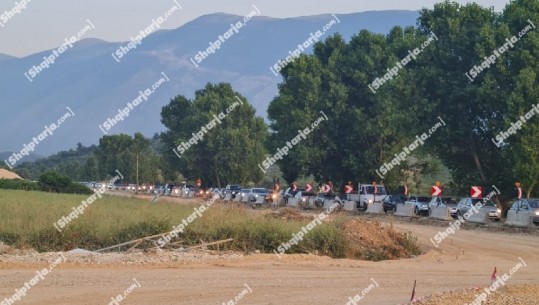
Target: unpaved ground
(463, 261)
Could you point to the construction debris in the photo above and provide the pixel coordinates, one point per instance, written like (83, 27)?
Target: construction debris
(150, 242)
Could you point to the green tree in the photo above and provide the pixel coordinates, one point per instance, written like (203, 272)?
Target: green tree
(521, 80)
(114, 153)
(364, 129)
(91, 169)
(54, 182)
(232, 145)
(473, 111)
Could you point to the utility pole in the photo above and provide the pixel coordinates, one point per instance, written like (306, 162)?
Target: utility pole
(136, 189)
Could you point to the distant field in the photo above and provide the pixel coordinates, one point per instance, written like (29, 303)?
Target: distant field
(28, 217)
(27, 221)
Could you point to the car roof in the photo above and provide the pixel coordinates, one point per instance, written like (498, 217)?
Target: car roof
(534, 201)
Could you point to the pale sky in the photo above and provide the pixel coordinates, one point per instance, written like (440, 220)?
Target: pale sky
(44, 24)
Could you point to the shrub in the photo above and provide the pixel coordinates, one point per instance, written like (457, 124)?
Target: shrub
(51, 181)
(18, 184)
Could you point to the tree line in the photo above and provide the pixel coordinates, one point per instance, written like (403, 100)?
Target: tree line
(380, 94)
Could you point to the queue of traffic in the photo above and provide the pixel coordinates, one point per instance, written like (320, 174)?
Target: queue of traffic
(369, 198)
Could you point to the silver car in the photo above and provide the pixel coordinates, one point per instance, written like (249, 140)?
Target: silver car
(244, 195)
(466, 203)
(531, 205)
(421, 205)
(258, 194)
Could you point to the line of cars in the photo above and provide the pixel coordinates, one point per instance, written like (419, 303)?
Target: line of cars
(119, 186)
(256, 196)
(423, 205)
(367, 194)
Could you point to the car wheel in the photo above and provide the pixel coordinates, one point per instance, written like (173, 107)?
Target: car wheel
(394, 209)
(416, 211)
(429, 212)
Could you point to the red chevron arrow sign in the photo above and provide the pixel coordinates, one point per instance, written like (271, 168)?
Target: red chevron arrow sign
(476, 192)
(436, 190)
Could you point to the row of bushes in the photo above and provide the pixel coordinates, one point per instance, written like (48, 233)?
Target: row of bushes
(18, 184)
(48, 182)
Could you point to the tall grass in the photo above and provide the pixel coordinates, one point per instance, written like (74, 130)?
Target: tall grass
(27, 217)
(26, 220)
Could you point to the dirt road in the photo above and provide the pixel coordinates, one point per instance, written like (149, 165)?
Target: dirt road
(463, 260)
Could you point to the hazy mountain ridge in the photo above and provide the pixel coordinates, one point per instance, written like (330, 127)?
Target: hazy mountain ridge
(87, 79)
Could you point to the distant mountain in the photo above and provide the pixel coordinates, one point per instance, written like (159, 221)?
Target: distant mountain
(69, 163)
(4, 155)
(4, 57)
(89, 81)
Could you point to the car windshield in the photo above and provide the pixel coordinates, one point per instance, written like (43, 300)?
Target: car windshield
(380, 190)
(234, 188)
(534, 203)
(423, 199)
(259, 191)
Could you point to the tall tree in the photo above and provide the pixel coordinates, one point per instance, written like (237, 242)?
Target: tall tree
(217, 137)
(521, 80)
(473, 108)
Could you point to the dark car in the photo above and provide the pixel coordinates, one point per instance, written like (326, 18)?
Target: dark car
(303, 197)
(390, 202)
(232, 189)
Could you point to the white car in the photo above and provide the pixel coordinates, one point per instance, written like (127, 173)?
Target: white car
(244, 195)
(368, 196)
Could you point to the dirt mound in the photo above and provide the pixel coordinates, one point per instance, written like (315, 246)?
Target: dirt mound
(509, 295)
(287, 214)
(9, 250)
(5, 174)
(370, 240)
(5, 249)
